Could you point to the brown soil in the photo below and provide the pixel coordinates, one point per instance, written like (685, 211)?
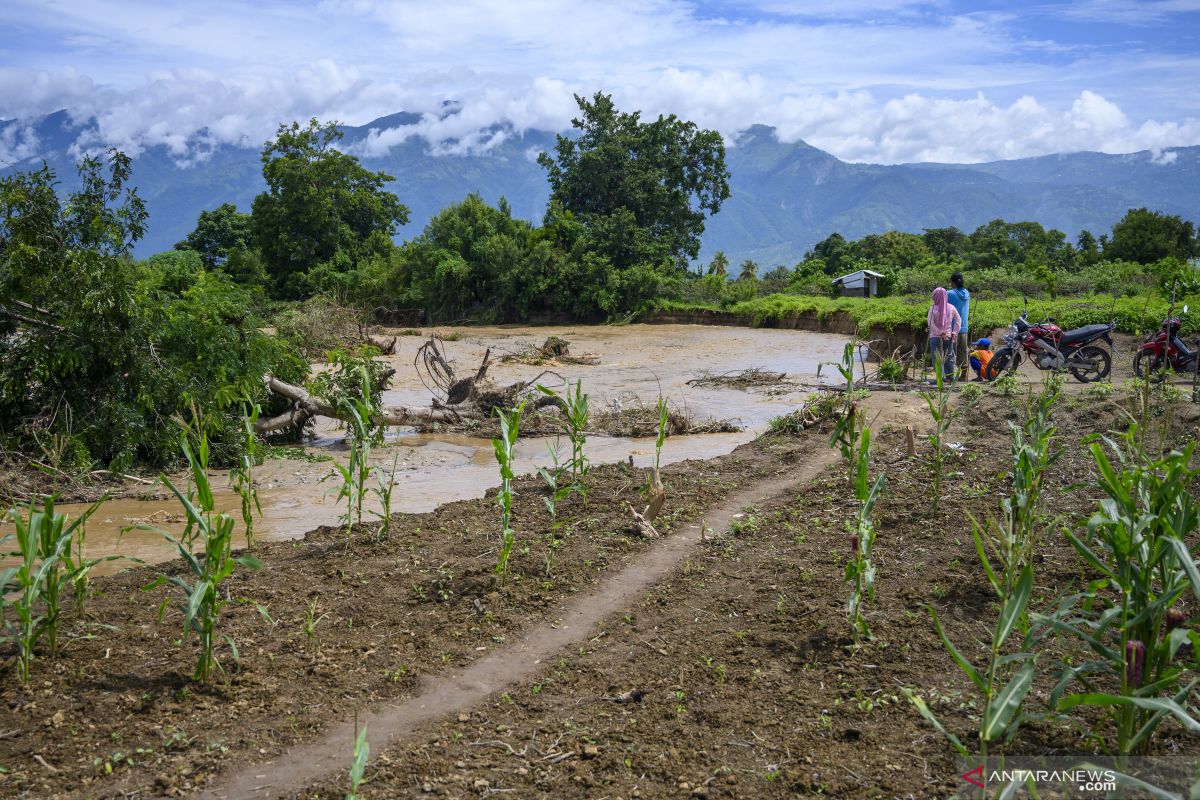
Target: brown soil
(116, 711)
(747, 684)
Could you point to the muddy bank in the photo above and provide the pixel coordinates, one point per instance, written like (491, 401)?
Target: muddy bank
(884, 341)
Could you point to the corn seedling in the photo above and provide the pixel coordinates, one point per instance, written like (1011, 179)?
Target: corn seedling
(242, 476)
(385, 482)
(552, 475)
(510, 424)
(942, 415)
(1006, 679)
(354, 474)
(661, 437)
(576, 411)
(1138, 542)
(1013, 541)
(860, 572)
(43, 540)
(311, 620)
(358, 762)
(202, 599)
(849, 424)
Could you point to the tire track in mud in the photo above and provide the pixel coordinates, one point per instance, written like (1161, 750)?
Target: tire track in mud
(443, 695)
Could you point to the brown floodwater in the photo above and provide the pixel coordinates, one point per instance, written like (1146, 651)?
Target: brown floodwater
(636, 363)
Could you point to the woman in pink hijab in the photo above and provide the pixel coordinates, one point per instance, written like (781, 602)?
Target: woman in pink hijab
(944, 323)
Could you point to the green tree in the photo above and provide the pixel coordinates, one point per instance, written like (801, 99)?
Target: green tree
(1147, 236)
(323, 213)
(474, 260)
(946, 244)
(217, 234)
(748, 271)
(640, 190)
(1088, 248)
(834, 251)
(719, 264)
(102, 351)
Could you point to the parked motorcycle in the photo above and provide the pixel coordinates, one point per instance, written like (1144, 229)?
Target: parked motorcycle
(1050, 347)
(1165, 351)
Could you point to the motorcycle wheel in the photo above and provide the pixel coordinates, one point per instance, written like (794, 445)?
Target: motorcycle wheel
(1002, 362)
(1147, 363)
(1100, 364)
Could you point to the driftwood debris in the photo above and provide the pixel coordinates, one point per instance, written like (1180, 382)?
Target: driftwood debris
(738, 379)
(554, 349)
(306, 405)
(645, 519)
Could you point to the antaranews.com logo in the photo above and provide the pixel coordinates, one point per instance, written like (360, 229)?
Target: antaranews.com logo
(1079, 777)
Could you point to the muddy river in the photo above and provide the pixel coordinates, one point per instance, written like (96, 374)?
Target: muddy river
(636, 363)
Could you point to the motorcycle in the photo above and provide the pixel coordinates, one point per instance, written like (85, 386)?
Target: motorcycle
(1050, 347)
(1165, 351)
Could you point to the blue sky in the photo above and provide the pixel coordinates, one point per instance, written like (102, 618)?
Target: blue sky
(883, 81)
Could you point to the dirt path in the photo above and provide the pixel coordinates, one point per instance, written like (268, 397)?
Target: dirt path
(442, 696)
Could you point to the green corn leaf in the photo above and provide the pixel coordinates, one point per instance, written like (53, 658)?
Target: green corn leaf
(1130, 782)
(958, 657)
(1184, 556)
(1146, 703)
(196, 600)
(248, 561)
(1014, 606)
(923, 709)
(1004, 706)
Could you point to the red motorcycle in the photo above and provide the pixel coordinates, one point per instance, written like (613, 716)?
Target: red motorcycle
(1050, 347)
(1165, 351)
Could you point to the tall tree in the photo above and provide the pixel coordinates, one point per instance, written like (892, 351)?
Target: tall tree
(1147, 236)
(323, 212)
(719, 264)
(217, 233)
(641, 190)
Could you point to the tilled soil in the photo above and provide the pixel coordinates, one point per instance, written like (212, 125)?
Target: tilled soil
(117, 711)
(737, 677)
(733, 677)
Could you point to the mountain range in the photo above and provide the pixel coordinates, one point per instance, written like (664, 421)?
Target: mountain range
(785, 196)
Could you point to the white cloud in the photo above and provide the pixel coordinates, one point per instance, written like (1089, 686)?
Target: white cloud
(868, 80)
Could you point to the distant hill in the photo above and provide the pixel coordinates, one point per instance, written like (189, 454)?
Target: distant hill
(786, 197)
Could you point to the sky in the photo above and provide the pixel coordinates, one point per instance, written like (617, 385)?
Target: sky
(880, 81)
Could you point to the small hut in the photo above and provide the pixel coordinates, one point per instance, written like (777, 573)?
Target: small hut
(863, 283)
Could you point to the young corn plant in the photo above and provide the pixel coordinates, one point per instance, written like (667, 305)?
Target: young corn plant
(79, 566)
(661, 437)
(575, 406)
(43, 539)
(358, 762)
(385, 482)
(510, 424)
(553, 477)
(202, 599)
(242, 476)
(860, 572)
(357, 408)
(1013, 541)
(1131, 617)
(942, 415)
(1004, 681)
(846, 430)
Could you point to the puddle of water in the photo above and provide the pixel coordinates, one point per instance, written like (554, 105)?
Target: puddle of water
(637, 362)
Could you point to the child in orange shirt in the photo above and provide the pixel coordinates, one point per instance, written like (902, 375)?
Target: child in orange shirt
(980, 358)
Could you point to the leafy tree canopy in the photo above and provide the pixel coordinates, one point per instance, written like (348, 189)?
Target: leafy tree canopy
(641, 190)
(323, 213)
(98, 352)
(1147, 236)
(217, 233)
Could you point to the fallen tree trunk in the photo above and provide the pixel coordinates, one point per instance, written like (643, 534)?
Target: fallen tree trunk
(305, 406)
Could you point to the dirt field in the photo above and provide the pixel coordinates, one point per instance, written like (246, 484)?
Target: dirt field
(712, 663)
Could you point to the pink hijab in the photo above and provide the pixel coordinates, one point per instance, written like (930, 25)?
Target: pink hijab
(941, 308)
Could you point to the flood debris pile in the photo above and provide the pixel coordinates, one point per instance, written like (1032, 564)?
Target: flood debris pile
(555, 350)
(738, 379)
(467, 403)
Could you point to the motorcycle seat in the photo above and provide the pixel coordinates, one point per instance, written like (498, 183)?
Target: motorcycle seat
(1086, 332)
